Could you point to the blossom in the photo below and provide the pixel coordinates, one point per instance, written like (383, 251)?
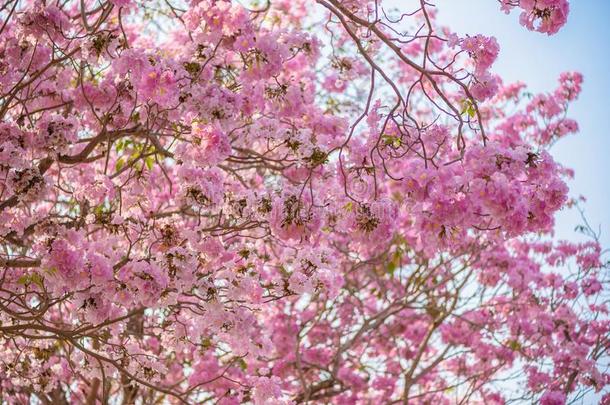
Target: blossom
(484, 86)
(266, 390)
(553, 398)
(545, 16)
(213, 143)
(285, 202)
(483, 50)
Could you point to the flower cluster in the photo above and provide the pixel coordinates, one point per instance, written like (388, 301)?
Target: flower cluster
(290, 202)
(546, 16)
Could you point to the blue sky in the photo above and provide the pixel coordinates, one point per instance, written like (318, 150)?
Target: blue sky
(537, 59)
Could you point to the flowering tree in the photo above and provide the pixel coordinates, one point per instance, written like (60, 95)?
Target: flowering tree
(323, 201)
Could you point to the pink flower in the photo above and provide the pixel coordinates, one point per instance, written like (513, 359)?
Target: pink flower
(484, 86)
(267, 390)
(293, 218)
(591, 286)
(483, 50)
(553, 398)
(546, 16)
(121, 3)
(159, 86)
(212, 145)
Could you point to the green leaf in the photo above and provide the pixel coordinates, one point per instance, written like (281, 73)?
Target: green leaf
(120, 145)
(393, 141)
(391, 267)
(52, 271)
(119, 164)
(37, 279)
(471, 111)
(468, 107)
(23, 280)
(514, 345)
(33, 278)
(150, 162)
(206, 342)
